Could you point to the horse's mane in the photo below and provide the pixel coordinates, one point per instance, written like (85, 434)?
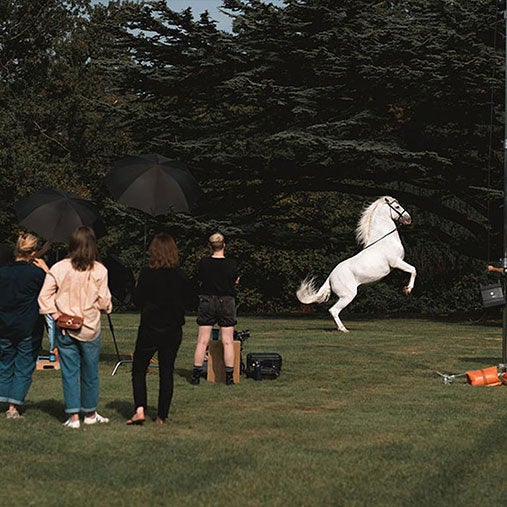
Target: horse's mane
(364, 224)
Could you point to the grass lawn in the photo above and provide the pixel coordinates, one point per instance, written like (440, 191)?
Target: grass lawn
(357, 419)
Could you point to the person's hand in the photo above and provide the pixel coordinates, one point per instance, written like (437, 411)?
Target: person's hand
(40, 263)
(491, 268)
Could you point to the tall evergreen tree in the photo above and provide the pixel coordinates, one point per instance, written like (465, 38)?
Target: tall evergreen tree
(351, 96)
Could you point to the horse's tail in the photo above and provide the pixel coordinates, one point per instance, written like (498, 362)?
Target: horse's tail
(308, 292)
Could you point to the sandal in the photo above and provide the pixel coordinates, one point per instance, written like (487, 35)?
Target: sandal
(135, 422)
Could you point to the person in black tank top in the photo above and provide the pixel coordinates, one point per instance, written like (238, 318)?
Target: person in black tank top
(217, 277)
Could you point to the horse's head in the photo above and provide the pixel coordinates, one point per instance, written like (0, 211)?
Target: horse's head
(397, 212)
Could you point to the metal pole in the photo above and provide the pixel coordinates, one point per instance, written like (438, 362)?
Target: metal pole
(504, 260)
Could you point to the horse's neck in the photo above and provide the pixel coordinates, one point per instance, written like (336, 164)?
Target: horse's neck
(380, 226)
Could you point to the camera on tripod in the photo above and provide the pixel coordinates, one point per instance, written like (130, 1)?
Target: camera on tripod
(242, 336)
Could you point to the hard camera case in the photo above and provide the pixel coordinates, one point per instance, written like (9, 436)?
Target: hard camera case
(263, 365)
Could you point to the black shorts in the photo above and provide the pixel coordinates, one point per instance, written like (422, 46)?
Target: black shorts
(216, 309)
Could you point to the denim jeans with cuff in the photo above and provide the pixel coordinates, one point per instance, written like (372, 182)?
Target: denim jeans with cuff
(17, 362)
(79, 364)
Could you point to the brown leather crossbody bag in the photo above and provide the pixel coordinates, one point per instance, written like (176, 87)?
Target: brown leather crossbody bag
(73, 322)
(69, 321)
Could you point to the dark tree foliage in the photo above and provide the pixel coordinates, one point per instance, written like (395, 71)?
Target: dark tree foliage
(290, 123)
(56, 127)
(354, 97)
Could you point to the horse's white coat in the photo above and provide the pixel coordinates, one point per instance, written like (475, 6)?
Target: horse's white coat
(382, 252)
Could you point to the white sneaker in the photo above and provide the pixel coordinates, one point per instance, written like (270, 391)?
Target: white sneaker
(13, 414)
(96, 419)
(69, 423)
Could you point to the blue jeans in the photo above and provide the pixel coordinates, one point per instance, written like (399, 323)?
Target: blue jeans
(79, 364)
(17, 362)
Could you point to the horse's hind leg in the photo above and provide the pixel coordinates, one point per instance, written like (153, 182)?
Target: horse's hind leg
(338, 307)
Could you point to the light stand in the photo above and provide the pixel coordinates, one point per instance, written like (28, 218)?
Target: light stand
(120, 360)
(504, 259)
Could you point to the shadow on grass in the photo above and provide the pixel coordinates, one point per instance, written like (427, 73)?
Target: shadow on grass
(54, 408)
(456, 470)
(124, 408)
(184, 372)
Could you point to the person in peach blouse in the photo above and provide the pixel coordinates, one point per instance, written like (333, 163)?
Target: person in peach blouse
(77, 285)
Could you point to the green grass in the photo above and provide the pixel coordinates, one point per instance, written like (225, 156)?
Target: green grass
(354, 419)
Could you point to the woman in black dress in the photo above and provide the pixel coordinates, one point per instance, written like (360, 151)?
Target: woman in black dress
(162, 292)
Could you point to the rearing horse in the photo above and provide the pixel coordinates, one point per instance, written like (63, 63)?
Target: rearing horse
(383, 251)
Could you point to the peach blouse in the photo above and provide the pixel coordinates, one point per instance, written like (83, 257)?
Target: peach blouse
(81, 293)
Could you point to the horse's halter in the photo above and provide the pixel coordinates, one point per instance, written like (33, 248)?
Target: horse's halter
(400, 214)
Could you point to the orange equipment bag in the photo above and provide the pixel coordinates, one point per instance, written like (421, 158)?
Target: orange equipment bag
(492, 376)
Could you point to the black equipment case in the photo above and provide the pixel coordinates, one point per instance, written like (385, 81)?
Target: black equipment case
(263, 365)
(492, 295)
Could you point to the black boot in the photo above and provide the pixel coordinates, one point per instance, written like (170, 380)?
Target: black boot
(229, 377)
(196, 376)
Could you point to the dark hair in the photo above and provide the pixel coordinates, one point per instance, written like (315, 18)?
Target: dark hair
(163, 252)
(83, 248)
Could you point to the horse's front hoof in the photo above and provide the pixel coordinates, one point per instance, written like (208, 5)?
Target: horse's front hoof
(344, 330)
(407, 291)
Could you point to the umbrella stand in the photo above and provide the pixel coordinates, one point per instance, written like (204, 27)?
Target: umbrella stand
(130, 215)
(145, 234)
(120, 360)
(153, 363)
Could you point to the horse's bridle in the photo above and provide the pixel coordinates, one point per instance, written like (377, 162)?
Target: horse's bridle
(390, 204)
(395, 220)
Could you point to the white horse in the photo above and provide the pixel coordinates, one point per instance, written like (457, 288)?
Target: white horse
(377, 232)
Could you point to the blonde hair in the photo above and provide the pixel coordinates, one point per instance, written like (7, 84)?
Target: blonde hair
(26, 245)
(216, 241)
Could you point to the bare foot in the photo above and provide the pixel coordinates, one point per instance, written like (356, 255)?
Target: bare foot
(159, 421)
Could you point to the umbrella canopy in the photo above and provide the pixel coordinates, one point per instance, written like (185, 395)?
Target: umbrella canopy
(54, 214)
(121, 280)
(154, 184)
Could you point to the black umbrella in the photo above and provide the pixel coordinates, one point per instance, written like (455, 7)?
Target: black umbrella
(121, 280)
(154, 184)
(54, 214)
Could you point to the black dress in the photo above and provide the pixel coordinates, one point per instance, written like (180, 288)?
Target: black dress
(162, 295)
